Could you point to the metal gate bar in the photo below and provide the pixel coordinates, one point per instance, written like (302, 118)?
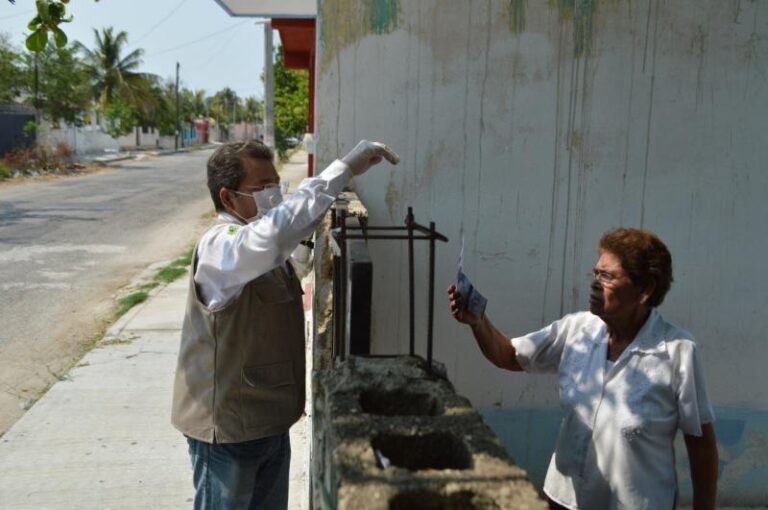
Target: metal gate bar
(340, 233)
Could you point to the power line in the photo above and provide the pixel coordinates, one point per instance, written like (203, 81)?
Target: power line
(17, 15)
(171, 13)
(201, 39)
(218, 51)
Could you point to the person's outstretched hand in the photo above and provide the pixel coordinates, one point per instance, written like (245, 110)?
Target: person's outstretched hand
(458, 310)
(366, 154)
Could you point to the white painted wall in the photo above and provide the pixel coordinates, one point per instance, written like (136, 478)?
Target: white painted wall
(535, 153)
(531, 148)
(84, 140)
(91, 139)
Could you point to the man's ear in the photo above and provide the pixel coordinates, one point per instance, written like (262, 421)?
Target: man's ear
(646, 294)
(226, 198)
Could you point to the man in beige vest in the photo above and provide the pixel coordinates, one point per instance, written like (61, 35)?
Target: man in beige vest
(240, 378)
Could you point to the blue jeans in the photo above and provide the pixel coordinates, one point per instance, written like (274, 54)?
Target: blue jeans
(251, 475)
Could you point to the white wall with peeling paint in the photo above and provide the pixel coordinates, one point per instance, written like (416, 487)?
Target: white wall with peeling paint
(532, 148)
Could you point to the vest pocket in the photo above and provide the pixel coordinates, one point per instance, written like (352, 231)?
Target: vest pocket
(273, 288)
(274, 294)
(271, 375)
(268, 394)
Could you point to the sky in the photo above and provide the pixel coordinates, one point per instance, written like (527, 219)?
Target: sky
(214, 49)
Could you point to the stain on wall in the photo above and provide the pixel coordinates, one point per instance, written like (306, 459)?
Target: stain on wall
(580, 13)
(516, 16)
(344, 22)
(381, 15)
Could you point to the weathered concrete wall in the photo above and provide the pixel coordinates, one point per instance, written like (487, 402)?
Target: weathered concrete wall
(532, 127)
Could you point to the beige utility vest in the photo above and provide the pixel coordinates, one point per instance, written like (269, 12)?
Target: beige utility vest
(240, 374)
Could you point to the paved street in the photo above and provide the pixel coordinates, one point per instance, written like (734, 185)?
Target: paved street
(66, 247)
(102, 438)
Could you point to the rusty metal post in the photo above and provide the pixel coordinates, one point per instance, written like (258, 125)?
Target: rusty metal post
(411, 293)
(336, 312)
(343, 285)
(431, 303)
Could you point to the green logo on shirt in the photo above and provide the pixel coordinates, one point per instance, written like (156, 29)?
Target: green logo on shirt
(232, 229)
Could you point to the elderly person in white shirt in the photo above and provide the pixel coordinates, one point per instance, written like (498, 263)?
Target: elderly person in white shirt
(628, 380)
(240, 377)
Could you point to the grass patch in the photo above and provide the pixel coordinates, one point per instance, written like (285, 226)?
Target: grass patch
(184, 260)
(146, 287)
(130, 301)
(175, 269)
(169, 273)
(164, 275)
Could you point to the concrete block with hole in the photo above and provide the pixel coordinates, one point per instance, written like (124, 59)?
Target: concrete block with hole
(390, 435)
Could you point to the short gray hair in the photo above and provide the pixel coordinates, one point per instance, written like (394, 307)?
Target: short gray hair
(225, 166)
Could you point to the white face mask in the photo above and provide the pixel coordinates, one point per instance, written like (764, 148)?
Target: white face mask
(265, 199)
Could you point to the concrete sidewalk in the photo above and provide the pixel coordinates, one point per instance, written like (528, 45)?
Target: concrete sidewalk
(101, 438)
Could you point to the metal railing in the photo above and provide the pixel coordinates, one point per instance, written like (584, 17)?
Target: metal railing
(341, 235)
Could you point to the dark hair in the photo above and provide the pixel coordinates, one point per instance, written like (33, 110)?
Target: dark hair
(225, 166)
(643, 256)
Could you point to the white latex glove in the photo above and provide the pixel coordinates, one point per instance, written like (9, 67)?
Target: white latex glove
(366, 154)
(302, 258)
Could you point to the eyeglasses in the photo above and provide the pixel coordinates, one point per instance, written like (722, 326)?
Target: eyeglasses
(270, 185)
(604, 278)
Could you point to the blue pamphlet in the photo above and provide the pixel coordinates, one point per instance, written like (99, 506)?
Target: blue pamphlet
(471, 300)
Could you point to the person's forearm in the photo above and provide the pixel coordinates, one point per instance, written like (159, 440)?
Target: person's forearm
(703, 459)
(495, 345)
(298, 216)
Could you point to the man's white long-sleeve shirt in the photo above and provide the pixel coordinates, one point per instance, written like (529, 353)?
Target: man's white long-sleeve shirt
(231, 254)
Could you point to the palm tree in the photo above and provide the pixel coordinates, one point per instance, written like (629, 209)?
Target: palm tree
(113, 74)
(253, 109)
(198, 100)
(225, 105)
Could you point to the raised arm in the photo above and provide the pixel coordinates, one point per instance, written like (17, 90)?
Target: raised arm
(494, 344)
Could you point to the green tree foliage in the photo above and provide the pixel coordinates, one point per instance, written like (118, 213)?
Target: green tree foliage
(63, 85)
(253, 110)
(225, 106)
(192, 104)
(125, 95)
(50, 15)
(121, 116)
(11, 75)
(291, 89)
(199, 103)
(113, 73)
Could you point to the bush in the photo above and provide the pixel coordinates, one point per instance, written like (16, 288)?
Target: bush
(42, 158)
(64, 151)
(5, 171)
(21, 159)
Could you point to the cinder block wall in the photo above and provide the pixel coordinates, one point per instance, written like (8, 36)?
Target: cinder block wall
(389, 434)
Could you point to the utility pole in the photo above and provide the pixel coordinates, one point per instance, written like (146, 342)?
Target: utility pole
(178, 127)
(37, 99)
(269, 113)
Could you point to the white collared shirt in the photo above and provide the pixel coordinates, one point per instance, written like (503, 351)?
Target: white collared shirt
(615, 448)
(231, 254)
